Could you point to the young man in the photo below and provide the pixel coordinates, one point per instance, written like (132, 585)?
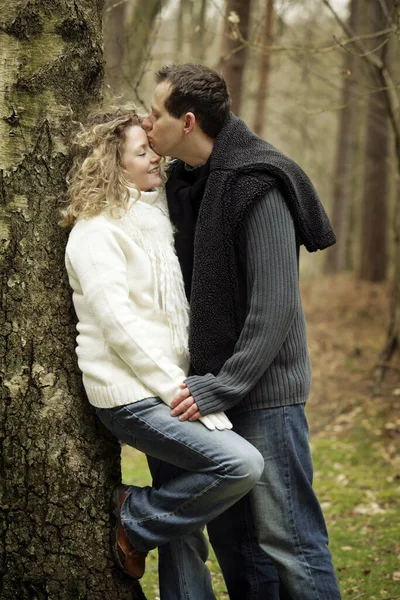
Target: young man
(241, 210)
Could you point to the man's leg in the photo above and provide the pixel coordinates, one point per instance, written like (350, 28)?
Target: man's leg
(248, 571)
(182, 572)
(288, 519)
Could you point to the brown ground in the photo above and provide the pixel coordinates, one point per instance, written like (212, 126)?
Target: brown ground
(346, 323)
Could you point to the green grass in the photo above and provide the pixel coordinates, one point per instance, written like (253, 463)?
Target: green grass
(358, 488)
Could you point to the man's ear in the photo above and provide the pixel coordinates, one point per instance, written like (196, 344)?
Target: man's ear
(189, 121)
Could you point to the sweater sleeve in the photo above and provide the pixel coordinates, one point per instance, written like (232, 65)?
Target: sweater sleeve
(268, 247)
(99, 263)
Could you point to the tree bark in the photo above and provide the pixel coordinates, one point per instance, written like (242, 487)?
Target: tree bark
(58, 465)
(264, 69)
(234, 49)
(342, 192)
(373, 247)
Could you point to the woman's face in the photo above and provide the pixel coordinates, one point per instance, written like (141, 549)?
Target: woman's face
(140, 161)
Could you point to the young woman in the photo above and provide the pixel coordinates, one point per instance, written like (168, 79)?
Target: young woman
(132, 344)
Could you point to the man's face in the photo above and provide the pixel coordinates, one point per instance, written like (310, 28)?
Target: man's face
(165, 132)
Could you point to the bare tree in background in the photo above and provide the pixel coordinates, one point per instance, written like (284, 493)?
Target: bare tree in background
(199, 33)
(374, 223)
(264, 68)
(138, 39)
(114, 50)
(128, 36)
(234, 48)
(58, 464)
(342, 191)
(390, 91)
(183, 15)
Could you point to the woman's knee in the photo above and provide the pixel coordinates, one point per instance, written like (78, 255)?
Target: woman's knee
(248, 465)
(255, 465)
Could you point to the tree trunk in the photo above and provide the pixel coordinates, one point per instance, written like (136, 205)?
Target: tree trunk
(184, 9)
(264, 70)
(234, 48)
(392, 341)
(199, 34)
(58, 465)
(342, 192)
(114, 44)
(373, 249)
(138, 41)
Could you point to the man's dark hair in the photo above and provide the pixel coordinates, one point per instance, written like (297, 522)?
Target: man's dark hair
(200, 90)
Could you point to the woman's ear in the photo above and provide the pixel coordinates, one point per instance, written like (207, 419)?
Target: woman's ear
(189, 122)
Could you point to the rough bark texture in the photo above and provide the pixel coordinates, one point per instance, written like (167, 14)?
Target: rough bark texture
(374, 225)
(264, 69)
(58, 465)
(234, 49)
(342, 191)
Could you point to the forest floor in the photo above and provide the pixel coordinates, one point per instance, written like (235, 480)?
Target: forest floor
(355, 438)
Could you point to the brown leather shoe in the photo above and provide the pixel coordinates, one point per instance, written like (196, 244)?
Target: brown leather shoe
(127, 558)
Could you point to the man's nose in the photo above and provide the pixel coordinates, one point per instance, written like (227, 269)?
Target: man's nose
(147, 124)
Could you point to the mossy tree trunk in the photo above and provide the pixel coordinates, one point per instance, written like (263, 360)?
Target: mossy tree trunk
(58, 465)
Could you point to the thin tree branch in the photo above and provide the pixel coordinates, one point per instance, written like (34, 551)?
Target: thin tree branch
(377, 63)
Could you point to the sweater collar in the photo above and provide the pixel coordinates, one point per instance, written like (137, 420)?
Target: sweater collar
(147, 197)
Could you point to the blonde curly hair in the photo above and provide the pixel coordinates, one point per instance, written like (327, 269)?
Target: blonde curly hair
(96, 180)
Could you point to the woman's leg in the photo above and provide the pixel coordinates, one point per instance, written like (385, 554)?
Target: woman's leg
(182, 570)
(220, 467)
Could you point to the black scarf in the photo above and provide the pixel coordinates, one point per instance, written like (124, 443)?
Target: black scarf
(242, 168)
(185, 189)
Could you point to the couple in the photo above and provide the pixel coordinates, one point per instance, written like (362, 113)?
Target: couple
(239, 211)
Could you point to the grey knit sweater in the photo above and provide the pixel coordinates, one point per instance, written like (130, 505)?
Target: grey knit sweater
(270, 365)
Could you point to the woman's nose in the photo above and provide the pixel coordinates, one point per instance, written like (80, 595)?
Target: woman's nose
(156, 157)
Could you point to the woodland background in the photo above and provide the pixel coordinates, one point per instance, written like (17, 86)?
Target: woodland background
(320, 79)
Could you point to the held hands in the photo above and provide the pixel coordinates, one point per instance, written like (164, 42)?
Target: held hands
(184, 405)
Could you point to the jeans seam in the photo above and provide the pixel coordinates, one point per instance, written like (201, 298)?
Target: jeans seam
(181, 507)
(182, 571)
(253, 574)
(161, 433)
(291, 510)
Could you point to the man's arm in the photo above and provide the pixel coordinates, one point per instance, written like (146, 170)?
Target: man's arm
(268, 243)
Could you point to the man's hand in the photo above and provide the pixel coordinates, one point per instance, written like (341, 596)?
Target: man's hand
(184, 405)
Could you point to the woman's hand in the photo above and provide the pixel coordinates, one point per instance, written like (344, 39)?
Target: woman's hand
(184, 405)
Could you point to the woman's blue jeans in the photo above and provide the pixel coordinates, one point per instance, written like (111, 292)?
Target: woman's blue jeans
(219, 467)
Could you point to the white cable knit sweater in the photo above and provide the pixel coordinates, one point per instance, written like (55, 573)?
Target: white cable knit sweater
(129, 298)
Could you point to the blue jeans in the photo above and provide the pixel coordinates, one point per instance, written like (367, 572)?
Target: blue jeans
(288, 520)
(218, 468)
(285, 523)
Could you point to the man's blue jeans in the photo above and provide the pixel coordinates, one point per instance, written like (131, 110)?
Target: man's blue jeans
(288, 523)
(288, 520)
(217, 468)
